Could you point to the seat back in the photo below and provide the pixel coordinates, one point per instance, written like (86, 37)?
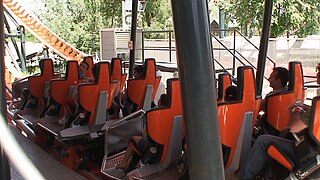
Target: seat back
(60, 87)
(89, 93)
(224, 81)
(89, 61)
(277, 104)
(36, 83)
(160, 122)
(137, 87)
(116, 72)
(236, 119)
(314, 124)
(274, 151)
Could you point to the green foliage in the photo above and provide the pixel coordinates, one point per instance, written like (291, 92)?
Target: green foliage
(78, 21)
(157, 16)
(298, 17)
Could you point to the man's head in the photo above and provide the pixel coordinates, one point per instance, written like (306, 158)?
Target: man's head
(138, 72)
(163, 101)
(231, 93)
(318, 73)
(278, 78)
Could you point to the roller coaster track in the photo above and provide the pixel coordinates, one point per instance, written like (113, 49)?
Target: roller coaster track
(43, 33)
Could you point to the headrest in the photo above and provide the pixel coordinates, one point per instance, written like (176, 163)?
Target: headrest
(46, 65)
(72, 69)
(102, 69)
(115, 61)
(314, 124)
(245, 82)
(295, 74)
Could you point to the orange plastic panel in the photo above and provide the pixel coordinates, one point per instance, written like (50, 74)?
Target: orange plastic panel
(316, 122)
(277, 110)
(60, 87)
(36, 83)
(89, 93)
(231, 115)
(298, 80)
(160, 121)
(137, 87)
(117, 72)
(278, 156)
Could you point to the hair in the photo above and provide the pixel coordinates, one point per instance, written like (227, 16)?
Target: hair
(318, 67)
(140, 69)
(230, 93)
(282, 74)
(163, 100)
(84, 62)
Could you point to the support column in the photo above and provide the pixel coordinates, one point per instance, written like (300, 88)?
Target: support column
(197, 77)
(133, 36)
(263, 45)
(4, 166)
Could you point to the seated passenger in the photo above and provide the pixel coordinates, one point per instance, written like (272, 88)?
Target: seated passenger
(70, 110)
(126, 105)
(83, 69)
(299, 119)
(278, 80)
(138, 146)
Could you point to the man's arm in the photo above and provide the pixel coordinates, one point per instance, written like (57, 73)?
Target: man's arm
(295, 123)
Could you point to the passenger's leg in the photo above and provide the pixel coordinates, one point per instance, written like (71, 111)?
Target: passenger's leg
(124, 163)
(258, 154)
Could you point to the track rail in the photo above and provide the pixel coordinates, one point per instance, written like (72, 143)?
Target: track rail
(43, 33)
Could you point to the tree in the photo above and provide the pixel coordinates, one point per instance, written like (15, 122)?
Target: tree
(78, 22)
(298, 17)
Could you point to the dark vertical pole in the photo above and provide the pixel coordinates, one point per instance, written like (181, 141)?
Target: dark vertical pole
(263, 45)
(142, 42)
(195, 62)
(234, 52)
(134, 16)
(170, 46)
(22, 31)
(4, 166)
(221, 22)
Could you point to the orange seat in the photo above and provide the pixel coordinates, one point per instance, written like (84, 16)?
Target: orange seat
(36, 83)
(314, 132)
(60, 87)
(277, 104)
(236, 119)
(224, 81)
(137, 87)
(89, 94)
(164, 130)
(116, 73)
(161, 121)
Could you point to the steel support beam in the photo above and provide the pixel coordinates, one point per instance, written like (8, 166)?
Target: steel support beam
(197, 77)
(4, 166)
(263, 45)
(133, 34)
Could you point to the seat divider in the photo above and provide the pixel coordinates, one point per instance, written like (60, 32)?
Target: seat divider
(148, 98)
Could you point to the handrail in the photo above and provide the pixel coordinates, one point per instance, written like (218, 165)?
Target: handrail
(222, 67)
(106, 127)
(253, 45)
(226, 48)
